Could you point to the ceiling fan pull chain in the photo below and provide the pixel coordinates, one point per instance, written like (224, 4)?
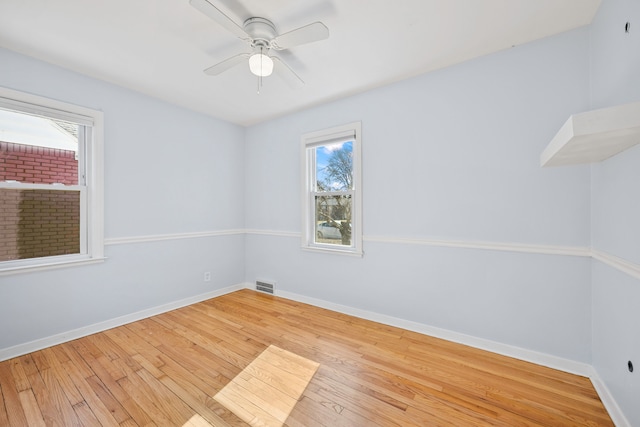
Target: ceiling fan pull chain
(261, 72)
(259, 84)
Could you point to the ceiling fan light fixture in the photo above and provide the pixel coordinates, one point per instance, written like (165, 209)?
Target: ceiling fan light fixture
(260, 64)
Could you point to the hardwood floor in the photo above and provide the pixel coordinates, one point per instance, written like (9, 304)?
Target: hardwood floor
(165, 371)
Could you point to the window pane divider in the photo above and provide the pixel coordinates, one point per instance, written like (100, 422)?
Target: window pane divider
(54, 187)
(333, 193)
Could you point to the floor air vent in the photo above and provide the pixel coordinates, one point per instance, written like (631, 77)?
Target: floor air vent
(265, 287)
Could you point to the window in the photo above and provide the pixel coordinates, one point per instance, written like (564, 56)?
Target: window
(332, 211)
(50, 183)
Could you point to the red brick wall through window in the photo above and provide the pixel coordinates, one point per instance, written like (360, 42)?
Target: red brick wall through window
(38, 223)
(38, 165)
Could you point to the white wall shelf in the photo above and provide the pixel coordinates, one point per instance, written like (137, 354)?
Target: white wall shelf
(594, 136)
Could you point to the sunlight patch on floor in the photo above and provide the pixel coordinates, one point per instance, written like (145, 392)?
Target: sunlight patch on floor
(266, 391)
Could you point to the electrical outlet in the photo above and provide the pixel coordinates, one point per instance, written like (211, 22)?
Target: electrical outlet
(207, 276)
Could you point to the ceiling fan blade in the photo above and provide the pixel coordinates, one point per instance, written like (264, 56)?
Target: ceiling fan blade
(307, 34)
(226, 64)
(220, 17)
(287, 73)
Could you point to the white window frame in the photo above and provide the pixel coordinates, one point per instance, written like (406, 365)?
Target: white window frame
(91, 193)
(311, 140)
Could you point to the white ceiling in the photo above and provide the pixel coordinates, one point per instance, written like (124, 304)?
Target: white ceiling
(160, 47)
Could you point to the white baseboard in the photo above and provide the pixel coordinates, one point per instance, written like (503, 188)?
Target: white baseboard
(20, 349)
(532, 356)
(616, 414)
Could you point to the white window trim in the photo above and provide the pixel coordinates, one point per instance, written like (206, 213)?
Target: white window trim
(38, 105)
(322, 137)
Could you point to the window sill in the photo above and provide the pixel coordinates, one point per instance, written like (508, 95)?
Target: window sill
(325, 250)
(6, 271)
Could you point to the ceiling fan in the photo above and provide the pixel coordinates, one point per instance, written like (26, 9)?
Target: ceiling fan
(261, 35)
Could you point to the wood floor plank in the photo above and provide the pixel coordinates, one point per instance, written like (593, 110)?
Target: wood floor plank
(199, 395)
(13, 406)
(31, 408)
(132, 344)
(313, 410)
(246, 409)
(166, 370)
(48, 397)
(19, 376)
(4, 418)
(85, 415)
(196, 401)
(70, 390)
(108, 374)
(145, 400)
(56, 394)
(98, 407)
(111, 403)
(178, 411)
(203, 361)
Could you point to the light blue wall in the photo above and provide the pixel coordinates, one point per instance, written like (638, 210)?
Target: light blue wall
(453, 154)
(167, 171)
(615, 79)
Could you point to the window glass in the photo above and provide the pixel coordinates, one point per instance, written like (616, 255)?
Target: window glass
(333, 219)
(38, 150)
(45, 221)
(334, 167)
(39, 223)
(334, 182)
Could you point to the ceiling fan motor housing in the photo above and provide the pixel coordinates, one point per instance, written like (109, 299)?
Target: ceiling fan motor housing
(261, 30)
